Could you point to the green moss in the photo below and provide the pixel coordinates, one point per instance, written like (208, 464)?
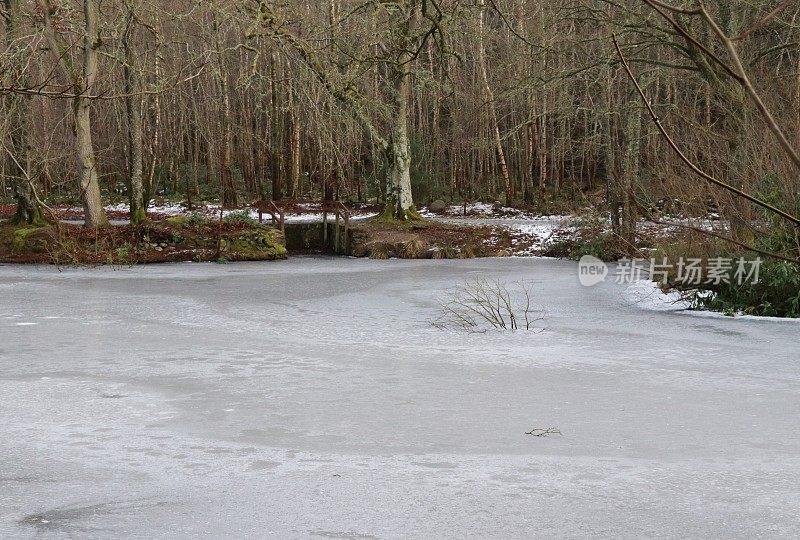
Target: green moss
(146, 243)
(195, 219)
(241, 216)
(258, 244)
(37, 222)
(21, 235)
(139, 217)
(31, 218)
(392, 216)
(125, 253)
(177, 221)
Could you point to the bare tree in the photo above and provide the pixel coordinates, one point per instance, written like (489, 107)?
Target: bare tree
(83, 80)
(17, 107)
(407, 101)
(133, 116)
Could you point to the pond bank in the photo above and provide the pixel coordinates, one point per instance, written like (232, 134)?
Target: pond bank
(173, 240)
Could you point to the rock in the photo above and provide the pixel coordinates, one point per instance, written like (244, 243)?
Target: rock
(438, 206)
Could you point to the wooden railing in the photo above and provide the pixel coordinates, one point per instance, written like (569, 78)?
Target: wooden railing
(276, 213)
(341, 212)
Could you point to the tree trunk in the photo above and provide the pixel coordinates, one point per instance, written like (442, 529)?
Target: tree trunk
(150, 189)
(83, 80)
(630, 175)
(276, 132)
(294, 151)
(612, 167)
(134, 118)
(737, 125)
(229, 195)
(228, 192)
(95, 215)
(90, 184)
(399, 199)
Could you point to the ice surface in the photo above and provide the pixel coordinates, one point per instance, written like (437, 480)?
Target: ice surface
(312, 399)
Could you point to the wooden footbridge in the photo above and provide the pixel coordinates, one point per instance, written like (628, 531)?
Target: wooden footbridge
(332, 234)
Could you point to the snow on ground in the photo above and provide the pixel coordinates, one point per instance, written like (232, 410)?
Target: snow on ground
(679, 224)
(539, 233)
(311, 212)
(168, 209)
(481, 209)
(531, 233)
(313, 399)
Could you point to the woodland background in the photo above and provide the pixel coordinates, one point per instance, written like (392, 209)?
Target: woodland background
(522, 101)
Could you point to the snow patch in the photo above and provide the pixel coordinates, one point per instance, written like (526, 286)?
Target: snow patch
(172, 209)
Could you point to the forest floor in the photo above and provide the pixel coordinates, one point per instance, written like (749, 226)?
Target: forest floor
(175, 239)
(458, 231)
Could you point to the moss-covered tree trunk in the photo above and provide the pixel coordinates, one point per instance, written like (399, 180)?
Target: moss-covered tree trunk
(399, 198)
(28, 210)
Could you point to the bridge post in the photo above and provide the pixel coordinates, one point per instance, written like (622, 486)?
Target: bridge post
(336, 235)
(325, 227)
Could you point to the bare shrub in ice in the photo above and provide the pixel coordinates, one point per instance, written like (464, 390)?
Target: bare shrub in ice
(484, 304)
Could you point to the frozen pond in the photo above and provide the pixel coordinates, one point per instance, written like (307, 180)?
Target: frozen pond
(313, 399)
